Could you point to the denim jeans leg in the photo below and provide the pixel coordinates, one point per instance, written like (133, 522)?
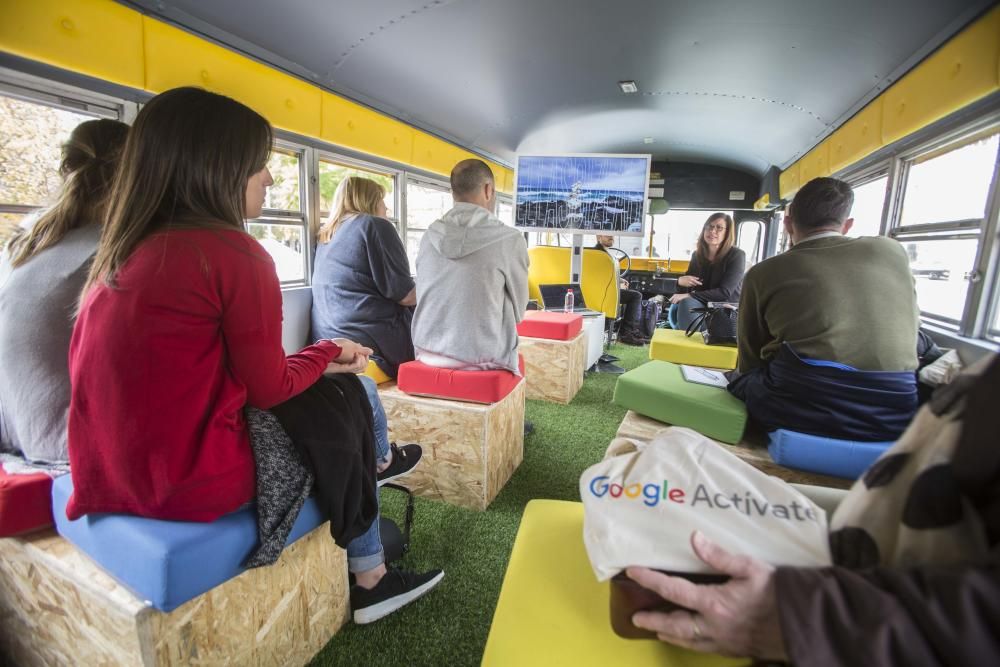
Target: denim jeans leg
(380, 423)
(365, 551)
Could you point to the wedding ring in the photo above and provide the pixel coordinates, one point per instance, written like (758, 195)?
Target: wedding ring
(696, 631)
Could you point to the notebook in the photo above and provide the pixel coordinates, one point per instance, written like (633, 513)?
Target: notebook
(709, 376)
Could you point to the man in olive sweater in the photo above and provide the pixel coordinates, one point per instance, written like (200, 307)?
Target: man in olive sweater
(829, 298)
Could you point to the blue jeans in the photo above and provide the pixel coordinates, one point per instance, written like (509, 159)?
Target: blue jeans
(365, 551)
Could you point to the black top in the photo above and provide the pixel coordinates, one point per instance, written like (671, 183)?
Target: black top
(721, 280)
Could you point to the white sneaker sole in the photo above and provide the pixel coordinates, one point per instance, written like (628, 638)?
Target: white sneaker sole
(382, 609)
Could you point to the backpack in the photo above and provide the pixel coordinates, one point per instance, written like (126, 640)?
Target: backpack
(648, 317)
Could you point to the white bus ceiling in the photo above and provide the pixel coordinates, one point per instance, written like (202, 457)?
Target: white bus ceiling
(729, 82)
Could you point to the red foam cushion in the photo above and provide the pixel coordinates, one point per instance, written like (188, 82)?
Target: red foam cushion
(25, 502)
(554, 326)
(474, 386)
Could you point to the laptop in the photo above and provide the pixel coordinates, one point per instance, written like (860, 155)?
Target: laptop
(554, 297)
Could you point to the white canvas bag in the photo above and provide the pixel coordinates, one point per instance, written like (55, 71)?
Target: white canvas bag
(643, 501)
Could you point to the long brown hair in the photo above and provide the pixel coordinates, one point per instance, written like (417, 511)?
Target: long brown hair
(727, 241)
(186, 165)
(89, 160)
(355, 194)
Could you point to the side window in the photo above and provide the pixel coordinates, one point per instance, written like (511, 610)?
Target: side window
(425, 202)
(31, 137)
(332, 172)
(869, 199)
(282, 227)
(941, 226)
(749, 238)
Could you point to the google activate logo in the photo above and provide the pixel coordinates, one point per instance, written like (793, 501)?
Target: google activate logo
(652, 494)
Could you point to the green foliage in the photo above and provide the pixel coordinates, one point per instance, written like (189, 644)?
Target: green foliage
(331, 175)
(450, 625)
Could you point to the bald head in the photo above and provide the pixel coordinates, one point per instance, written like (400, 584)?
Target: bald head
(472, 182)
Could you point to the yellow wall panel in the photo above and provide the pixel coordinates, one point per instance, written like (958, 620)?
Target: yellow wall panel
(858, 137)
(959, 73)
(815, 163)
(435, 155)
(176, 58)
(99, 38)
(359, 128)
(508, 182)
(788, 181)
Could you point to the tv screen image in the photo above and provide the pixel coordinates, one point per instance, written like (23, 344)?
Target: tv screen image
(581, 193)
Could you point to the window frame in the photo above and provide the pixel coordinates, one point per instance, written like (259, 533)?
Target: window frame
(331, 156)
(974, 320)
(302, 218)
(44, 92)
(758, 245)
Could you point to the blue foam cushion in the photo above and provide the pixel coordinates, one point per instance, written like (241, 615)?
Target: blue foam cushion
(840, 458)
(168, 563)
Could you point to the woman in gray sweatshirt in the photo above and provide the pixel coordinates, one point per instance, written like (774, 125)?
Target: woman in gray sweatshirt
(42, 271)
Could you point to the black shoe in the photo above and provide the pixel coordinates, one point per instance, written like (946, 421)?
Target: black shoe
(529, 428)
(404, 459)
(397, 589)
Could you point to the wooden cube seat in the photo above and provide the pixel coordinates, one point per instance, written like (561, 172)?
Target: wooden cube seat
(169, 562)
(674, 346)
(553, 368)
(470, 450)
(58, 607)
(25, 502)
(552, 612)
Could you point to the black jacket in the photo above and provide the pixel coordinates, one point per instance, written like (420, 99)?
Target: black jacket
(720, 281)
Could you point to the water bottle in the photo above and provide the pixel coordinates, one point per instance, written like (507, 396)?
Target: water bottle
(568, 302)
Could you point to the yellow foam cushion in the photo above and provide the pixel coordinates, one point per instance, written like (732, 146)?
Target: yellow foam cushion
(673, 346)
(376, 373)
(552, 611)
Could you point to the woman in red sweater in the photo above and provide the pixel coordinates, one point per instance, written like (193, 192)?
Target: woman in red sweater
(180, 328)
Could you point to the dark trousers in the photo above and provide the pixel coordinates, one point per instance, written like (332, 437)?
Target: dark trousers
(632, 301)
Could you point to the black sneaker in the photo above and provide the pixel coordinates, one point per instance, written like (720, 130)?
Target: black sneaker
(404, 459)
(397, 589)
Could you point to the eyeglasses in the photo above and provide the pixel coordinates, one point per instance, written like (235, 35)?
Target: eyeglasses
(716, 228)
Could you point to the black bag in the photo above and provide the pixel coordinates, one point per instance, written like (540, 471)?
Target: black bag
(650, 315)
(717, 324)
(396, 542)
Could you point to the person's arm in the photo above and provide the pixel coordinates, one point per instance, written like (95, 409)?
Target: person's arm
(389, 264)
(690, 278)
(728, 289)
(517, 277)
(251, 325)
(917, 616)
(752, 332)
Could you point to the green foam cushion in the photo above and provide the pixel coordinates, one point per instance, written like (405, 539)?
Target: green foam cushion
(658, 390)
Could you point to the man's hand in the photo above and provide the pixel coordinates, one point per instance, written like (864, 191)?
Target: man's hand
(689, 281)
(737, 618)
(623, 284)
(353, 357)
(677, 298)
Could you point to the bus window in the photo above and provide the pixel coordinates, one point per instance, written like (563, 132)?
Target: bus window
(675, 235)
(332, 173)
(425, 203)
(31, 137)
(505, 211)
(281, 229)
(944, 203)
(748, 239)
(869, 199)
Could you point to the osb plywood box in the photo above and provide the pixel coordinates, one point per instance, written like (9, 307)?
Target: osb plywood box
(553, 369)
(643, 429)
(470, 449)
(58, 608)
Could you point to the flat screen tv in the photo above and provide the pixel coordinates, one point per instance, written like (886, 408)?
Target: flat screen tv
(582, 193)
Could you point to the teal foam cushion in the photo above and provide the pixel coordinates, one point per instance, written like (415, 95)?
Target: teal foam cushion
(658, 390)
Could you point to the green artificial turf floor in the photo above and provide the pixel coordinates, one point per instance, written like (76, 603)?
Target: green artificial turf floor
(450, 625)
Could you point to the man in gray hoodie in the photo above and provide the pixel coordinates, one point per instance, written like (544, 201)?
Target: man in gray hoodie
(472, 280)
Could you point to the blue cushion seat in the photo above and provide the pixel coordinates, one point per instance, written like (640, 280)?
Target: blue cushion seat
(829, 456)
(168, 563)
